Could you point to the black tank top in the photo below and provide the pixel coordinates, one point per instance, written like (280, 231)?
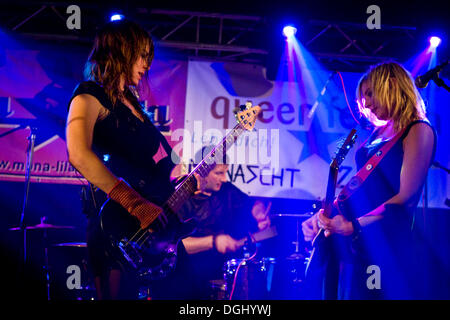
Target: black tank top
(125, 143)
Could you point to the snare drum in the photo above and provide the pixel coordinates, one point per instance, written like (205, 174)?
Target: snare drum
(249, 279)
(218, 290)
(70, 277)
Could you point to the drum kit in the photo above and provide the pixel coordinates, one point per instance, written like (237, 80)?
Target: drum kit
(247, 278)
(267, 277)
(244, 278)
(42, 226)
(87, 289)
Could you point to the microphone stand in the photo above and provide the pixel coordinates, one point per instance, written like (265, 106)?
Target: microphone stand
(22, 226)
(440, 83)
(30, 152)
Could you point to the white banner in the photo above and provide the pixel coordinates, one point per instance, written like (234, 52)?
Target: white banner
(302, 134)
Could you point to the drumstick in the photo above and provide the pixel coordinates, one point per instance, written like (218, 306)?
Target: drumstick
(260, 236)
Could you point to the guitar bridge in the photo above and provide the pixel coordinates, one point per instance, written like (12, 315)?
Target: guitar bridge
(166, 266)
(130, 251)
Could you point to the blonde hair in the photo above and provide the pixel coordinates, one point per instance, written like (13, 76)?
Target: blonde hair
(393, 89)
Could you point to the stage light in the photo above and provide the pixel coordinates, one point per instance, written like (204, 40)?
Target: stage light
(116, 17)
(434, 41)
(289, 31)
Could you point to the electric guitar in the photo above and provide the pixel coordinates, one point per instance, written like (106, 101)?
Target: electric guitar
(151, 253)
(321, 246)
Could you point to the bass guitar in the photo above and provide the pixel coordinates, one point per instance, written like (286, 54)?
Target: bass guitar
(151, 253)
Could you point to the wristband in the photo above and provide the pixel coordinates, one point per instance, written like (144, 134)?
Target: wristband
(119, 181)
(214, 247)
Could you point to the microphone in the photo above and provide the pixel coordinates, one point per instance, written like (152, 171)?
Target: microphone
(324, 89)
(432, 74)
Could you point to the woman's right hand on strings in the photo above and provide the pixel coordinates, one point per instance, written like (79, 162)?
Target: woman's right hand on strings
(310, 228)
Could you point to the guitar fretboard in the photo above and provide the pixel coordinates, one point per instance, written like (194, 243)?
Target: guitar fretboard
(189, 185)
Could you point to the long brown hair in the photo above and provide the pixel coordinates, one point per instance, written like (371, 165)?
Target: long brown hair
(117, 46)
(393, 88)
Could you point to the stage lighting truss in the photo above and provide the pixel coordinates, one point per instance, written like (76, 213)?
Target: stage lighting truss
(220, 37)
(225, 37)
(228, 37)
(343, 45)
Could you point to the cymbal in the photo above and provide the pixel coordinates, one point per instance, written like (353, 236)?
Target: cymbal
(296, 256)
(72, 244)
(292, 215)
(43, 226)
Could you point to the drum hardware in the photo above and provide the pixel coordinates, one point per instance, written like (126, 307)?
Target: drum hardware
(218, 289)
(72, 244)
(293, 215)
(298, 218)
(44, 227)
(291, 268)
(87, 289)
(245, 242)
(29, 161)
(297, 266)
(296, 255)
(249, 278)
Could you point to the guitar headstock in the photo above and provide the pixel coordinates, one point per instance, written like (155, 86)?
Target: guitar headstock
(344, 149)
(246, 115)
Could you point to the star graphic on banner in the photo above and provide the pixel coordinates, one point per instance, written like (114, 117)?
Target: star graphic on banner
(315, 141)
(40, 83)
(49, 107)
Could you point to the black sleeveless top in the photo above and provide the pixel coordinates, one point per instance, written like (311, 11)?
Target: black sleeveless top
(125, 143)
(384, 182)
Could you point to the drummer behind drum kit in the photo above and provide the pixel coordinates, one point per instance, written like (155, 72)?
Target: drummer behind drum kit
(247, 278)
(255, 282)
(266, 278)
(86, 289)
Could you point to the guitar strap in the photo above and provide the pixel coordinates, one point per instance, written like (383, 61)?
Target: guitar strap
(357, 180)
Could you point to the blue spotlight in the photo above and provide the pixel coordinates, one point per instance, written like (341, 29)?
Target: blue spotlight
(289, 31)
(116, 17)
(434, 41)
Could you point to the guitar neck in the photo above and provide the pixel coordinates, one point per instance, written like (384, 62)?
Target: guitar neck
(331, 191)
(189, 185)
(333, 173)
